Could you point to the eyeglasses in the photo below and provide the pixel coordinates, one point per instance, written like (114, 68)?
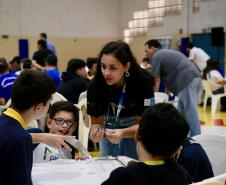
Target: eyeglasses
(61, 121)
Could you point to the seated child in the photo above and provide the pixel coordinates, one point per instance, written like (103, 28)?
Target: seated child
(62, 120)
(159, 136)
(195, 160)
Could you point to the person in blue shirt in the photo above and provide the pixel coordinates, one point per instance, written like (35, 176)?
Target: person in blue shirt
(51, 69)
(6, 81)
(50, 45)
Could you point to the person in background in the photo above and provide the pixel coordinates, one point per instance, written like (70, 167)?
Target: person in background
(51, 69)
(116, 98)
(50, 45)
(92, 66)
(73, 80)
(197, 56)
(40, 55)
(159, 137)
(26, 63)
(216, 81)
(145, 64)
(214, 77)
(195, 160)
(6, 81)
(15, 65)
(62, 120)
(180, 77)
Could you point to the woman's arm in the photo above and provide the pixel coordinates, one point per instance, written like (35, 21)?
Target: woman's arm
(97, 128)
(116, 135)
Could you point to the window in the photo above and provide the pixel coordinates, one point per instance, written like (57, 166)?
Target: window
(152, 17)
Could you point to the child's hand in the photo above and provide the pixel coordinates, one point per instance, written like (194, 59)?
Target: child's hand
(57, 141)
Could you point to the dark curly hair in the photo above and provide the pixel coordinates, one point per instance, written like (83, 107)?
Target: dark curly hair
(162, 130)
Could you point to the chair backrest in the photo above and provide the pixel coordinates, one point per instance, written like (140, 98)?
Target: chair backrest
(205, 129)
(215, 148)
(4, 107)
(161, 97)
(217, 180)
(206, 87)
(84, 122)
(58, 97)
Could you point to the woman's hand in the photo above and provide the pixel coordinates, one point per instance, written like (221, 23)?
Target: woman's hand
(114, 136)
(96, 133)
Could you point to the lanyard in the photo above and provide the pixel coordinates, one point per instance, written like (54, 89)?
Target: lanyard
(121, 101)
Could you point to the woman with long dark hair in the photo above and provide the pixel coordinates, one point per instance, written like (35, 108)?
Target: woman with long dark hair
(116, 99)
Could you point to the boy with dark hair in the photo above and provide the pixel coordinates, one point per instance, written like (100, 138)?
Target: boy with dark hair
(92, 66)
(73, 80)
(51, 69)
(6, 81)
(14, 65)
(30, 100)
(62, 120)
(50, 45)
(159, 136)
(40, 55)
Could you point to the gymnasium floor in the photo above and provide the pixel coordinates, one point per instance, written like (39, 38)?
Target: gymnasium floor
(219, 118)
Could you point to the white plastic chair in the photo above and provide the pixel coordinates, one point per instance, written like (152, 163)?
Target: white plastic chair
(4, 107)
(84, 122)
(215, 99)
(161, 97)
(206, 129)
(217, 180)
(58, 97)
(215, 148)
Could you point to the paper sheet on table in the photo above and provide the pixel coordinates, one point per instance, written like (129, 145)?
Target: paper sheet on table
(67, 171)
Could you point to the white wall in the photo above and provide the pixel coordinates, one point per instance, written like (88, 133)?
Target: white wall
(99, 18)
(67, 18)
(212, 14)
(127, 7)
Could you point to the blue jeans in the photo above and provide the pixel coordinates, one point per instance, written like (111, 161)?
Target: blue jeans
(187, 105)
(127, 147)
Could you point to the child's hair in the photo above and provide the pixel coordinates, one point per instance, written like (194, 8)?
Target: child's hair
(162, 130)
(3, 65)
(74, 64)
(66, 106)
(16, 59)
(51, 60)
(31, 87)
(91, 61)
(145, 59)
(26, 63)
(211, 65)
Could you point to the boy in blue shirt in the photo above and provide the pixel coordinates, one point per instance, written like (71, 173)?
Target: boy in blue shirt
(6, 81)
